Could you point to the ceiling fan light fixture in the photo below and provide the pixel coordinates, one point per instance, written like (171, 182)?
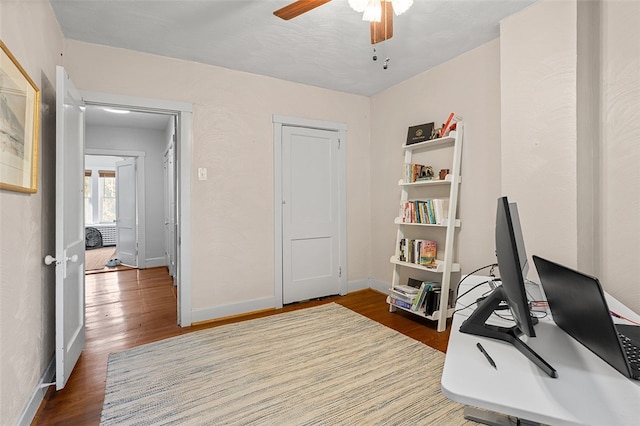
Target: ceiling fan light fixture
(401, 6)
(372, 9)
(358, 5)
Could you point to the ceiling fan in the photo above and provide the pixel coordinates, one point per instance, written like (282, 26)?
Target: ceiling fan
(378, 12)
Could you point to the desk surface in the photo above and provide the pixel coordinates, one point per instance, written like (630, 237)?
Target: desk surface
(587, 391)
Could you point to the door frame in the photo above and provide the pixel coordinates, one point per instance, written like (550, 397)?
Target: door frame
(184, 147)
(139, 157)
(280, 121)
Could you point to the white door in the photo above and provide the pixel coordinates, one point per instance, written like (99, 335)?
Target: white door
(169, 210)
(126, 236)
(70, 235)
(310, 213)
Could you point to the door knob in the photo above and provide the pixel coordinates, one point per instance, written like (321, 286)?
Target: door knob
(48, 259)
(73, 258)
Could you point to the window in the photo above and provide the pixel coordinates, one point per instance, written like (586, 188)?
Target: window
(107, 188)
(99, 196)
(88, 205)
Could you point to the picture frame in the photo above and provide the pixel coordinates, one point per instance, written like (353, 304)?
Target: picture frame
(19, 126)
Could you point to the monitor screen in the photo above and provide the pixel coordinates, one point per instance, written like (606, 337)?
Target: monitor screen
(510, 265)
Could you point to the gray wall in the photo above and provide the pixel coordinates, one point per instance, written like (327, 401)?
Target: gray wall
(152, 143)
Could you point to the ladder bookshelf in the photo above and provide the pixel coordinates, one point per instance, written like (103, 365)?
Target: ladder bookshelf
(421, 226)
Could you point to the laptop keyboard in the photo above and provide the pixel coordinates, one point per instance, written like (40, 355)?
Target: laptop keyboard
(633, 353)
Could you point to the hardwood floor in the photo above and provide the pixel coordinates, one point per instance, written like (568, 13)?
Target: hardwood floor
(133, 307)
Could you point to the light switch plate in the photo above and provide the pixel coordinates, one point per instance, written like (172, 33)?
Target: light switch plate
(202, 173)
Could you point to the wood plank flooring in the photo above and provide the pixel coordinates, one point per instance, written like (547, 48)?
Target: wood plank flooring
(133, 307)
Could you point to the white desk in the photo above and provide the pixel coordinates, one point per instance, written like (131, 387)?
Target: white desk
(587, 391)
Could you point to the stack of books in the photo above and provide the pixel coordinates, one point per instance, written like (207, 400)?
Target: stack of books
(418, 296)
(403, 296)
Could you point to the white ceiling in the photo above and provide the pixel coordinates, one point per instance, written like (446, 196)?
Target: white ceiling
(327, 47)
(101, 116)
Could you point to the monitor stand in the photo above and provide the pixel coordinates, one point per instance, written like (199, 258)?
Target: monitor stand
(476, 324)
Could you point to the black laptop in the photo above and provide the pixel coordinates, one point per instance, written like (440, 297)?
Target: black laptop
(579, 307)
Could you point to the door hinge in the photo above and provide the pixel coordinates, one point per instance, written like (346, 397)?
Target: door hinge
(338, 143)
(340, 272)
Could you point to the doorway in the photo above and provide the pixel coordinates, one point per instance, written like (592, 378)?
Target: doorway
(112, 186)
(310, 209)
(178, 132)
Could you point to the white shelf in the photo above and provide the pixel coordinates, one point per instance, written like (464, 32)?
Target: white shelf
(444, 224)
(433, 143)
(428, 182)
(432, 317)
(438, 268)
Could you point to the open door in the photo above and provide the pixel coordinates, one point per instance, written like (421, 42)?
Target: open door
(70, 240)
(126, 235)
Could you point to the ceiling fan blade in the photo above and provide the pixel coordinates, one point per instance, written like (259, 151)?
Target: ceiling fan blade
(383, 30)
(298, 8)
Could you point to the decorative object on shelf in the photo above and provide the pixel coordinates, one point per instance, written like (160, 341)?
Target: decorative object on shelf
(419, 133)
(435, 133)
(443, 173)
(19, 124)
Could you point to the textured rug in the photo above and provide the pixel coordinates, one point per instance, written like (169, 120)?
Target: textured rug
(322, 365)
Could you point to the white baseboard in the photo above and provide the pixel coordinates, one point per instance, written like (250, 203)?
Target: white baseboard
(357, 285)
(232, 309)
(222, 311)
(29, 412)
(381, 286)
(155, 262)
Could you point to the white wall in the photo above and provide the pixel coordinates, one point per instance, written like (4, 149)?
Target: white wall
(468, 85)
(584, 66)
(620, 153)
(539, 125)
(232, 219)
(153, 144)
(27, 223)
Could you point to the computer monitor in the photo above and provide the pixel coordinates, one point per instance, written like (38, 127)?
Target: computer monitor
(511, 290)
(517, 230)
(509, 245)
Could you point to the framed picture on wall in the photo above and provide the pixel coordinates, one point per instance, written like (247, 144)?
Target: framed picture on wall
(19, 124)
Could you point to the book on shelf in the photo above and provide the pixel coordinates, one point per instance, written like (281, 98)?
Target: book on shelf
(421, 252)
(399, 302)
(414, 172)
(430, 211)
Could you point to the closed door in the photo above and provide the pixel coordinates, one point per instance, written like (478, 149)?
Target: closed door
(310, 213)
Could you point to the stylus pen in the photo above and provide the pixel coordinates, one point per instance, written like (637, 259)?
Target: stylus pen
(486, 355)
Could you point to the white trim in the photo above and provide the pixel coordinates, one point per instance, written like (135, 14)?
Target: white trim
(155, 262)
(140, 196)
(47, 379)
(279, 121)
(233, 309)
(183, 111)
(374, 284)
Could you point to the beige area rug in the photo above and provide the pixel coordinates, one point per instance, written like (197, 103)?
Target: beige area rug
(323, 365)
(96, 258)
